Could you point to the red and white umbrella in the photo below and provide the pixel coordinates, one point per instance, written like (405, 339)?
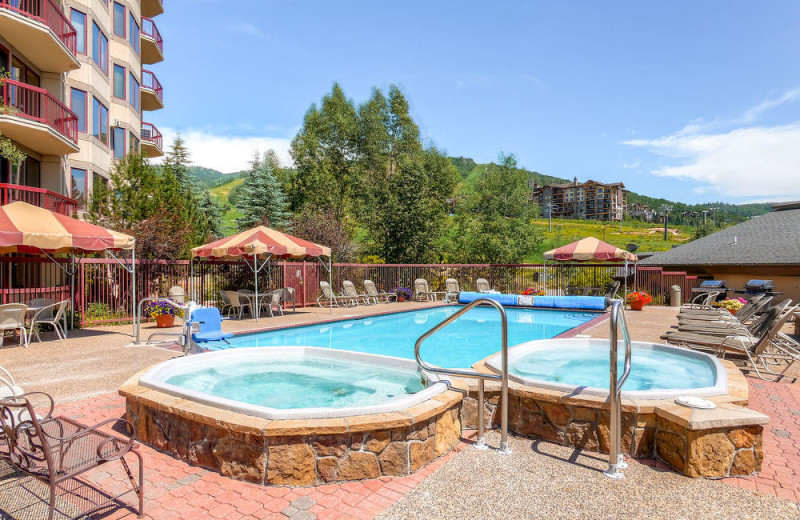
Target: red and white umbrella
(590, 249)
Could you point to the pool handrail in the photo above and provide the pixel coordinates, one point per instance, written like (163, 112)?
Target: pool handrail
(480, 442)
(616, 461)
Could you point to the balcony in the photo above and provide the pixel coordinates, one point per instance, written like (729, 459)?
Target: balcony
(34, 118)
(152, 43)
(42, 32)
(152, 142)
(152, 7)
(152, 91)
(38, 197)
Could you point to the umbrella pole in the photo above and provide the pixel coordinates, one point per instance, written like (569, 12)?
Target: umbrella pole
(133, 292)
(330, 282)
(626, 277)
(72, 290)
(191, 279)
(255, 270)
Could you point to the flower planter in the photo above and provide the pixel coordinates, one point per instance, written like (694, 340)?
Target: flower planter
(164, 321)
(637, 306)
(401, 298)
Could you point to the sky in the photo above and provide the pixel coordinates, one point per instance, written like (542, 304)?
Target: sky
(691, 101)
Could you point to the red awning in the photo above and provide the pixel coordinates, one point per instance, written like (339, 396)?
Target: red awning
(590, 249)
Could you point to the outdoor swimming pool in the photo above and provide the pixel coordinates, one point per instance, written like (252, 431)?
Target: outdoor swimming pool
(464, 342)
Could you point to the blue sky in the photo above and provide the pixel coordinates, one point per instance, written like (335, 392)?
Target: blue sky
(692, 101)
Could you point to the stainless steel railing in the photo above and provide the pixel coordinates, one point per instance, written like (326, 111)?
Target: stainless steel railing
(480, 443)
(615, 459)
(182, 336)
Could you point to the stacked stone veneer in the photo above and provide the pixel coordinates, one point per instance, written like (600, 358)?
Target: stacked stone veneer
(295, 452)
(725, 441)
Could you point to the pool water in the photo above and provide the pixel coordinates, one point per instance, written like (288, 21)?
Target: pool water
(587, 365)
(302, 383)
(462, 343)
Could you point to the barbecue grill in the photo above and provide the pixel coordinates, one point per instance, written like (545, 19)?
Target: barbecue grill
(707, 286)
(759, 287)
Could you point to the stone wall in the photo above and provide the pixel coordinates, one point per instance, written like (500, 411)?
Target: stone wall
(296, 455)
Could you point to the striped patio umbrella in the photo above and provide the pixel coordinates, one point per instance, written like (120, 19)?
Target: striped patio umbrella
(30, 229)
(589, 249)
(261, 242)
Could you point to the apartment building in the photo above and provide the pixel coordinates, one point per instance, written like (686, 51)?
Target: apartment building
(76, 94)
(590, 200)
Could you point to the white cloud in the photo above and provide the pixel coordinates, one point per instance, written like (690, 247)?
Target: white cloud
(227, 154)
(745, 162)
(755, 112)
(633, 165)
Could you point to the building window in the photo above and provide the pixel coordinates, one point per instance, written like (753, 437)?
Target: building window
(78, 20)
(133, 143)
(100, 121)
(134, 34)
(99, 47)
(78, 188)
(79, 106)
(118, 142)
(119, 20)
(134, 88)
(119, 82)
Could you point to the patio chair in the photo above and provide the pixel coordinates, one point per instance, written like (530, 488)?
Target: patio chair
(452, 289)
(765, 347)
(725, 323)
(209, 325)
(9, 387)
(327, 296)
(701, 302)
(748, 310)
(387, 297)
(351, 292)
(482, 285)
(226, 302)
(177, 294)
(56, 449)
(52, 315)
(288, 295)
(612, 290)
(12, 317)
(423, 293)
(238, 303)
(272, 299)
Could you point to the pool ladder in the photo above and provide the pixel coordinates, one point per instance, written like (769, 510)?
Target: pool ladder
(480, 442)
(615, 459)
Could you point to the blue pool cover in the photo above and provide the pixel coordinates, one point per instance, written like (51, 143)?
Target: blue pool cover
(584, 303)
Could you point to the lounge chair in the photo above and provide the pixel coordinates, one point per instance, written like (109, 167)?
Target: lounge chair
(9, 387)
(373, 292)
(272, 299)
(453, 289)
(56, 449)
(482, 285)
(701, 302)
(177, 294)
(351, 292)
(12, 317)
(719, 314)
(52, 315)
(209, 325)
(239, 303)
(329, 298)
(765, 347)
(422, 292)
(612, 290)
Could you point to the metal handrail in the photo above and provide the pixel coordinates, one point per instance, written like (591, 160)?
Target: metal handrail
(480, 442)
(616, 461)
(138, 317)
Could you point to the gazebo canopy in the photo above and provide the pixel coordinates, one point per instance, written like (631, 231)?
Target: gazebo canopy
(590, 249)
(30, 229)
(261, 242)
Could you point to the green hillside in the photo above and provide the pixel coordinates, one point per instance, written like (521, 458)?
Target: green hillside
(208, 177)
(221, 194)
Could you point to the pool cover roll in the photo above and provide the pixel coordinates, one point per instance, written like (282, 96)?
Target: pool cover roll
(588, 303)
(508, 300)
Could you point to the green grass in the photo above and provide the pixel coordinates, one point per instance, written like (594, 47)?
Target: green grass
(221, 194)
(649, 236)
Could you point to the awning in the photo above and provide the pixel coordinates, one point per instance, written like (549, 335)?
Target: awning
(261, 242)
(590, 249)
(25, 228)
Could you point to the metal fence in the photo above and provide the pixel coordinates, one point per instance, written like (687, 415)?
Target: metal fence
(103, 286)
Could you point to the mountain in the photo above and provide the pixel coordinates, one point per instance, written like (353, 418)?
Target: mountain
(209, 178)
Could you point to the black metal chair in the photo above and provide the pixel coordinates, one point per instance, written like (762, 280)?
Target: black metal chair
(56, 449)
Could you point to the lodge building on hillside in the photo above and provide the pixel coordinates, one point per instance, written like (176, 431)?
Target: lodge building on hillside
(590, 200)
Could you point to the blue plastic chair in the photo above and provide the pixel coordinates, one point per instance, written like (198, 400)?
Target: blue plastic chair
(210, 326)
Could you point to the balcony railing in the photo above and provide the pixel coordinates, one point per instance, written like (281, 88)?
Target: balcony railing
(150, 30)
(151, 134)
(38, 197)
(37, 104)
(48, 13)
(150, 81)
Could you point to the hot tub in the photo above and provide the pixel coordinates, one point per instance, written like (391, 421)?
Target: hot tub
(296, 415)
(581, 366)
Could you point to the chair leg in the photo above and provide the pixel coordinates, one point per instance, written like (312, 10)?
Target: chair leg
(51, 509)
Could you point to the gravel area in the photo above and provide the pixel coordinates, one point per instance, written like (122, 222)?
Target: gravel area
(543, 480)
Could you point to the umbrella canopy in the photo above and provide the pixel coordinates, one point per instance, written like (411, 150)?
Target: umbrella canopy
(261, 242)
(30, 229)
(589, 249)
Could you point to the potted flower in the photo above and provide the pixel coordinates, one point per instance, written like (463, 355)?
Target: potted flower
(403, 293)
(530, 291)
(163, 312)
(638, 300)
(732, 305)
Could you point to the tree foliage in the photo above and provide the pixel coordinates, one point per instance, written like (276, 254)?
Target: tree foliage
(322, 227)
(262, 200)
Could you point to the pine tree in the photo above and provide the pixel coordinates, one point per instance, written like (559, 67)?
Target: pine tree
(178, 161)
(262, 200)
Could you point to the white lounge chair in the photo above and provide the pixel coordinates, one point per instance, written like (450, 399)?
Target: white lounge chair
(423, 293)
(482, 285)
(351, 292)
(373, 292)
(328, 298)
(9, 387)
(451, 284)
(52, 315)
(12, 317)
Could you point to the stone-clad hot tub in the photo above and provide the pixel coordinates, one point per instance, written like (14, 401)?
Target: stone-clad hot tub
(265, 445)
